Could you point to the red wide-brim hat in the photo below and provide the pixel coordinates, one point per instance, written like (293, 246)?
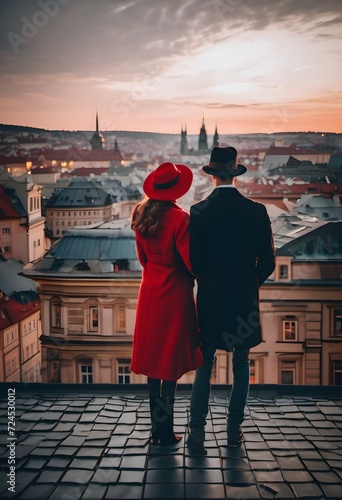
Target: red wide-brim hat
(169, 181)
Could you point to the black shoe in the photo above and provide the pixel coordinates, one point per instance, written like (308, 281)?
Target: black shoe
(162, 421)
(235, 440)
(172, 438)
(196, 445)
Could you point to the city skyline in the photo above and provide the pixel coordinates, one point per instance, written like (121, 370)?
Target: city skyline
(248, 66)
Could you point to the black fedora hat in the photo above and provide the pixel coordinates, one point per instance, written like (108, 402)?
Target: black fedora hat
(224, 162)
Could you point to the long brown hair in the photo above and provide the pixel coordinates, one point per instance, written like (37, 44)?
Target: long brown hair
(148, 217)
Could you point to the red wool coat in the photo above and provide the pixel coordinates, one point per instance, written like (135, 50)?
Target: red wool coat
(166, 338)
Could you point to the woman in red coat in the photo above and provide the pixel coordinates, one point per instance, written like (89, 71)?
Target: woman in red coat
(166, 339)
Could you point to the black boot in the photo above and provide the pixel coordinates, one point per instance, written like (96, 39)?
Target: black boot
(166, 434)
(155, 404)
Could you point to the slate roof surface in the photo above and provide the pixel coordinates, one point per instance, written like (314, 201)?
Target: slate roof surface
(91, 442)
(321, 244)
(96, 247)
(81, 194)
(11, 279)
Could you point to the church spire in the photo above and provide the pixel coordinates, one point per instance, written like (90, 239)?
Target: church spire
(202, 139)
(216, 138)
(184, 149)
(97, 139)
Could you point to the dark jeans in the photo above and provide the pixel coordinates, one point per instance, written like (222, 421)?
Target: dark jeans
(199, 404)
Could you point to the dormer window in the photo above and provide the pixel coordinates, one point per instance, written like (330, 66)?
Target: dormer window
(283, 271)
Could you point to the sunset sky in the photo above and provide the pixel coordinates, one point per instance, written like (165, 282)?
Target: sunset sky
(153, 65)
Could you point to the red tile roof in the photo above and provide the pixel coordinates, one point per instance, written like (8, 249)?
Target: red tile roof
(292, 150)
(77, 154)
(46, 170)
(84, 171)
(6, 209)
(10, 160)
(12, 311)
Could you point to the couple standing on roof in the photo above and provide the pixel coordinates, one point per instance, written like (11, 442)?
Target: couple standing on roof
(227, 245)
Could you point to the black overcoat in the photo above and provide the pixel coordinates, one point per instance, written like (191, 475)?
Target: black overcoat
(232, 254)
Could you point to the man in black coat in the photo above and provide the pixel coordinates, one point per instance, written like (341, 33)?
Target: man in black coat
(232, 254)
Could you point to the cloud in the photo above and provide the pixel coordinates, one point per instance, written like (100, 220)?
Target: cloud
(119, 37)
(218, 54)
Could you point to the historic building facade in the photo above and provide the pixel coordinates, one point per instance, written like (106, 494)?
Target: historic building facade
(81, 203)
(19, 340)
(301, 313)
(22, 226)
(89, 285)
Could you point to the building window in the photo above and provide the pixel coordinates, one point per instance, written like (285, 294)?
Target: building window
(124, 372)
(86, 373)
(56, 315)
(93, 318)
(290, 328)
(283, 272)
(337, 372)
(121, 319)
(6, 230)
(121, 265)
(38, 243)
(288, 372)
(7, 249)
(11, 366)
(31, 204)
(252, 371)
(338, 322)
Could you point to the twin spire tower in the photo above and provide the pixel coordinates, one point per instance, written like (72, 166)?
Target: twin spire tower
(202, 141)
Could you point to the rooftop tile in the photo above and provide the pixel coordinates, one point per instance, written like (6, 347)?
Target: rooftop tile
(93, 443)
